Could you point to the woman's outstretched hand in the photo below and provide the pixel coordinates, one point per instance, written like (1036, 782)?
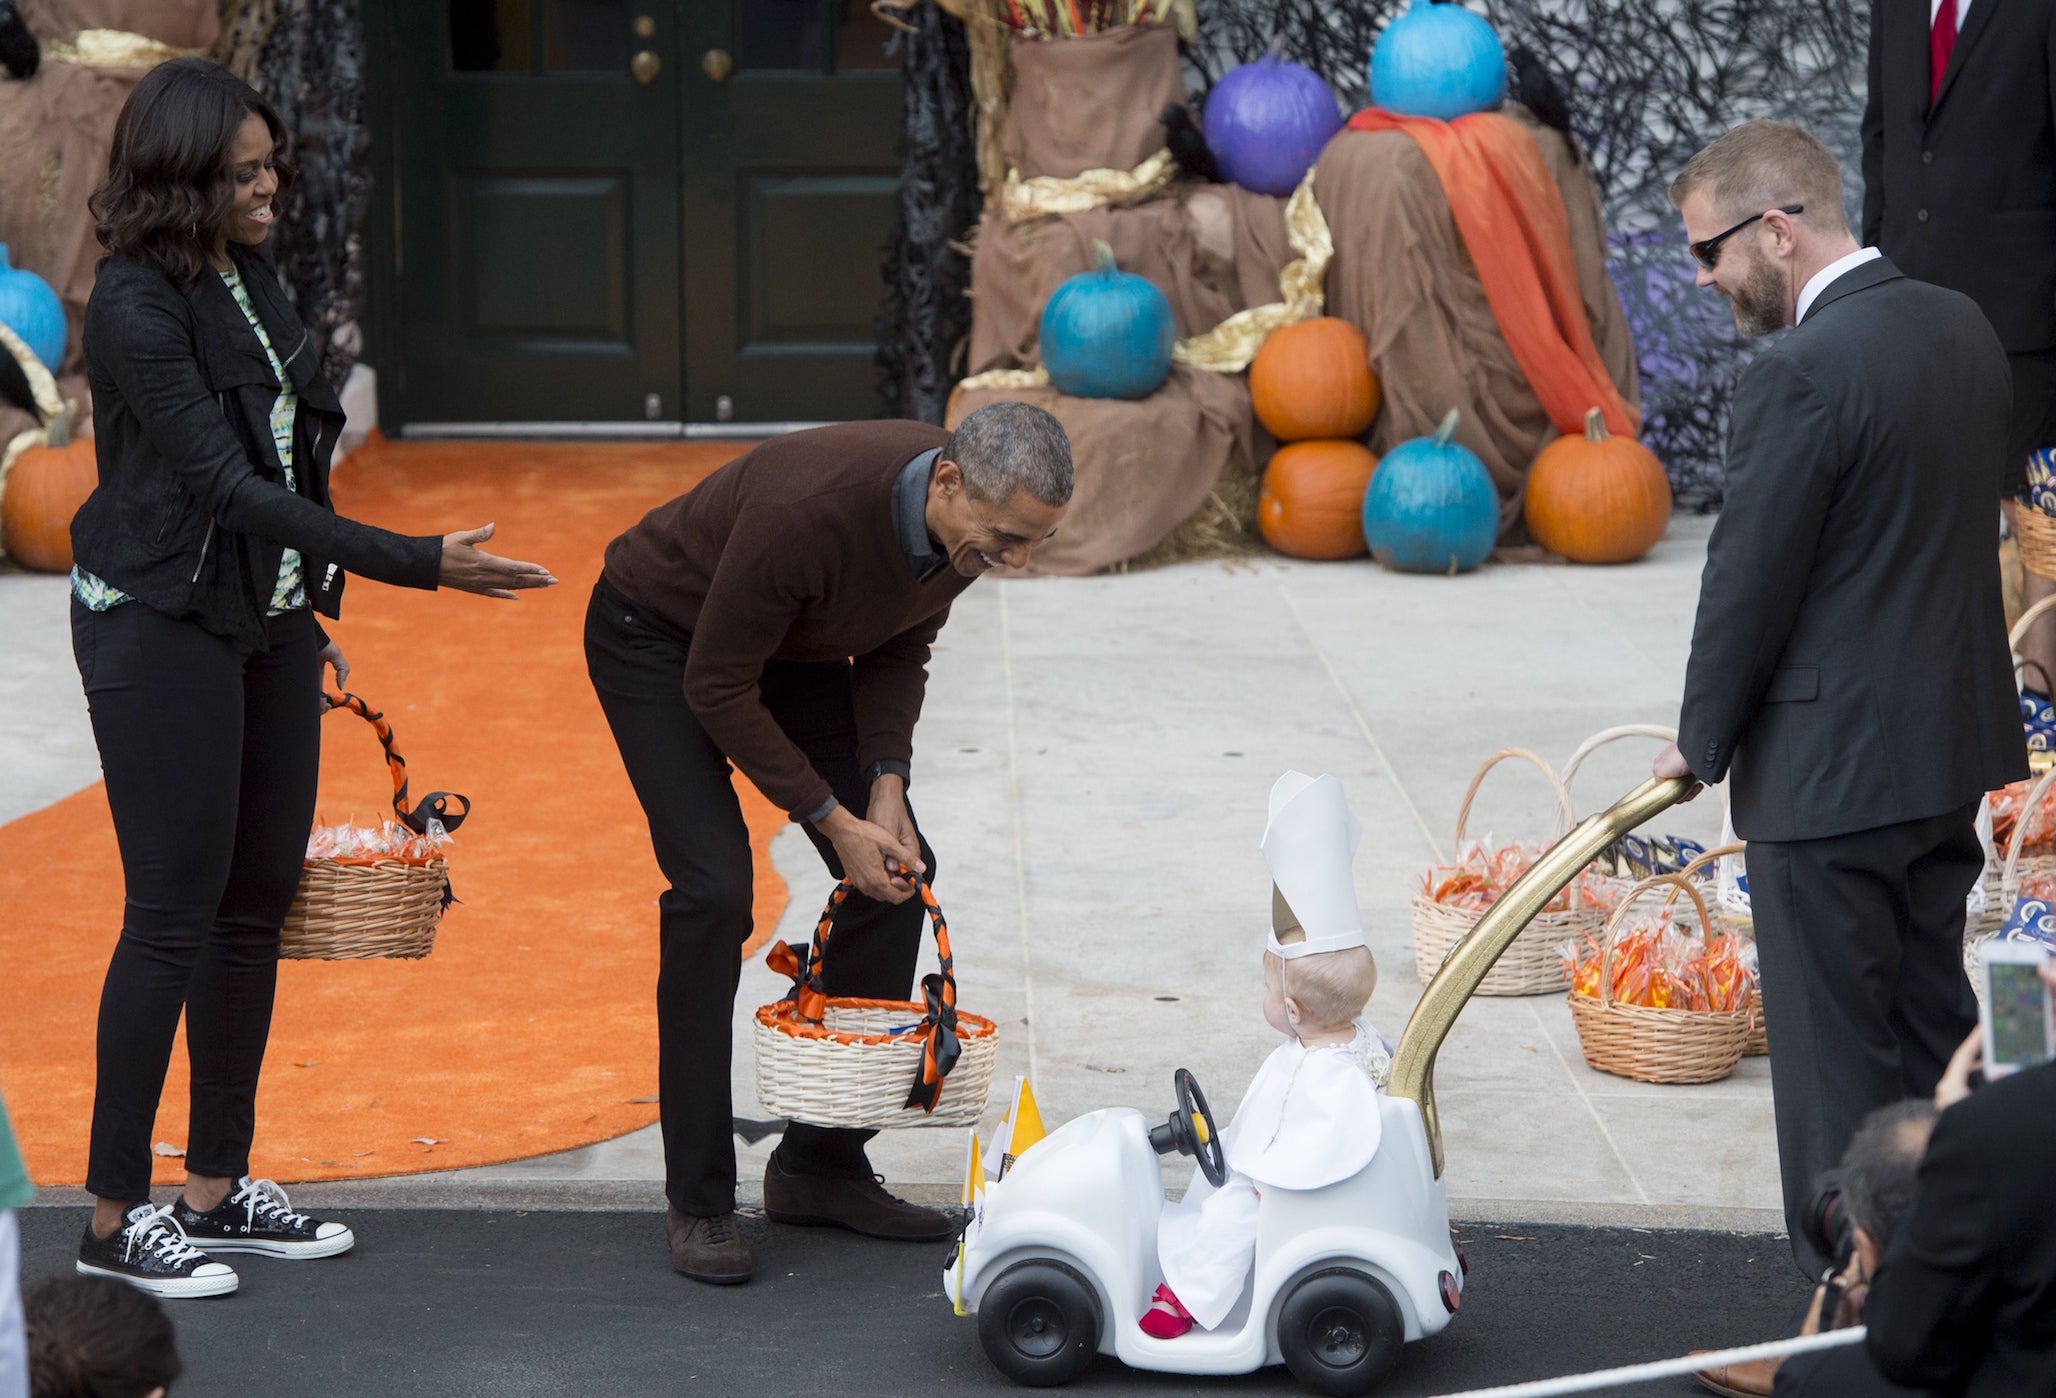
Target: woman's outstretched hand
(468, 568)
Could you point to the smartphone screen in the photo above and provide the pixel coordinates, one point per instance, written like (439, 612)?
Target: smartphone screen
(2020, 1034)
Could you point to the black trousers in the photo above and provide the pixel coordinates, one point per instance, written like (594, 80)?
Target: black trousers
(2033, 424)
(211, 755)
(1860, 942)
(703, 847)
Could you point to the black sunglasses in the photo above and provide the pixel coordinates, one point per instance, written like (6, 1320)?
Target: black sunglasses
(1707, 250)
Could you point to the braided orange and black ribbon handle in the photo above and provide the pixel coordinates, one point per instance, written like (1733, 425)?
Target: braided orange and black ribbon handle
(937, 1030)
(435, 805)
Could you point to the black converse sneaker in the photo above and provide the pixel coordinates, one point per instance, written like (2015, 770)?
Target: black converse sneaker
(257, 1217)
(151, 1253)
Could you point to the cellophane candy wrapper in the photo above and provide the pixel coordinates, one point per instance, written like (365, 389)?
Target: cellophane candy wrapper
(2008, 805)
(1483, 872)
(1658, 965)
(1638, 857)
(2032, 922)
(2041, 480)
(388, 843)
(2038, 722)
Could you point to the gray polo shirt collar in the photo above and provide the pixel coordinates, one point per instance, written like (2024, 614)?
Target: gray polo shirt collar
(910, 515)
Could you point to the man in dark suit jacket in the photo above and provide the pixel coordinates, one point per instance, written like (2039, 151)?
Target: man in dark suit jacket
(1849, 658)
(1959, 189)
(1965, 1299)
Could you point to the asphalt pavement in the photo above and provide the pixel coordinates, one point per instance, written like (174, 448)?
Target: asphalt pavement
(508, 1304)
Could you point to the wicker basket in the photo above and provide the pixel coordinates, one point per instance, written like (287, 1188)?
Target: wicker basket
(2018, 865)
(1651, 1045)
(1609, 889)
(1735, 923)
(1530, 965)
(351, 911)
(2036, 534)
(837, 1061)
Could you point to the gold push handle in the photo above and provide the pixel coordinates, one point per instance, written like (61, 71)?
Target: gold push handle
(1413, 1064)
(645, 66)
(717, 64)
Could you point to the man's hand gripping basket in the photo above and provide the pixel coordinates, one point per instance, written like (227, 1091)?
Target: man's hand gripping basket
(383, 901)
(837, 1061)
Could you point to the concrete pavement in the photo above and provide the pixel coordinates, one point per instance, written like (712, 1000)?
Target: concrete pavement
(1092, 768)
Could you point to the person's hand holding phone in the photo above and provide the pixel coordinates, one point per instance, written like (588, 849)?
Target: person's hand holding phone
(2019, 1030)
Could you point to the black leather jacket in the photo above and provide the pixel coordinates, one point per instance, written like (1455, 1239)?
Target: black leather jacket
(191, 513)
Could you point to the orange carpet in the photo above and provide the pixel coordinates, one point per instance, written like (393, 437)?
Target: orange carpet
(530, 1028)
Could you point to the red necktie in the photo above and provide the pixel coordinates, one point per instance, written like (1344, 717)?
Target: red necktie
(1941, 41)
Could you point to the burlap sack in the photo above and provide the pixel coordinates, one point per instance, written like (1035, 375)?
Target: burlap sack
(1212, 250)
(55, 130)
(1402, 275)
(1090, 102)
(1143, 467)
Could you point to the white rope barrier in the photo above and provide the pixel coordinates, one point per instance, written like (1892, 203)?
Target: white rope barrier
(1665, 1368)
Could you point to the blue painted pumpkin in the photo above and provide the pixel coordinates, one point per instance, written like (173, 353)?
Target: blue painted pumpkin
(31, 310)
(1266, 122)
(1107, 333)
(1437, 60)
(1431, 506)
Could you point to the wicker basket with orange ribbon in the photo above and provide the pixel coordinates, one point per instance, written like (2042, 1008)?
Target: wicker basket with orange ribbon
(1638, 1018)
(375, 892)
(1453, 897)
(846, 1061)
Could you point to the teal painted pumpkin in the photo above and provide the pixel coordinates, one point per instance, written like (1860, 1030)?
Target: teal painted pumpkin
(31, 310)
(1431, 507)
(1107, 333)
(1437, 60)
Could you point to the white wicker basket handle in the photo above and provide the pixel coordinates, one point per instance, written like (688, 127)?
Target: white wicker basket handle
(1612, 735)
(2027, 619)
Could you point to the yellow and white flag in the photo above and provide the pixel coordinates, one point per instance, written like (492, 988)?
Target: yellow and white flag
(974, 1202)
(1021, 1128)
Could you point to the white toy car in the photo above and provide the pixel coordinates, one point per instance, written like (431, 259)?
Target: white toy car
(1064, 1260)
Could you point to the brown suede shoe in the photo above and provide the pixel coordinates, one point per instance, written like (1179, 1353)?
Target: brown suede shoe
(858, 1204)
(708, 1249)
(1750, 1380)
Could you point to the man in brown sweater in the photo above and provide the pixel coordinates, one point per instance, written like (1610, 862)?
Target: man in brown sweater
(778, 618)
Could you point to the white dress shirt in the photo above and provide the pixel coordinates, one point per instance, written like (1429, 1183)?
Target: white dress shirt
(1935, 8)
(1819, 281)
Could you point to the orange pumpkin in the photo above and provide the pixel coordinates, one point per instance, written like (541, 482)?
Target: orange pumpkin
(1597, 498)
(1312, 501)
(1313, 379)
(42, 491)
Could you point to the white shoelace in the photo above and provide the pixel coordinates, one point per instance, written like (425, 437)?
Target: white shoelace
(159, 1232)
(264, 1199)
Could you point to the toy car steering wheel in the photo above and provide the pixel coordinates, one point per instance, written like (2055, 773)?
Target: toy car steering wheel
(1191, 1131)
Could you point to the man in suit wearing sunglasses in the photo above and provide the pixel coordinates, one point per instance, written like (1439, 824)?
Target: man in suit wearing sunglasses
(1849, 665)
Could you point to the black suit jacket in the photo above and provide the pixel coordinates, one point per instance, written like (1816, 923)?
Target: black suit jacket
(1965, 1299)
(1965, 196)
(1849, 657)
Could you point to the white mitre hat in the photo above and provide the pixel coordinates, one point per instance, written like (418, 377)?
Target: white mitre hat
(1310, 846)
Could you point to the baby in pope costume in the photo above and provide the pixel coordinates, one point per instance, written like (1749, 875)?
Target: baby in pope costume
(1310, 1117)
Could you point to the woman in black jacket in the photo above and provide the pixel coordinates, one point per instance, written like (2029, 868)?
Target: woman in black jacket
(202, 557)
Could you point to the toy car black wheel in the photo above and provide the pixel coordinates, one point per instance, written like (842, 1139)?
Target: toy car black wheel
(1039, 1323)
(1340, 1332)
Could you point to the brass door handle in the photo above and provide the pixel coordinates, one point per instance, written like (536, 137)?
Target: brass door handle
(645, 66)
(717, 64)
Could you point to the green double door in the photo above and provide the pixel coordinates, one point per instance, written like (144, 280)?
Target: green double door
(653, 216)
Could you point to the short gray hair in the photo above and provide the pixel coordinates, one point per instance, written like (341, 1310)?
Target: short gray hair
(1765, 165)
(1005, 447)
(1881, 1168)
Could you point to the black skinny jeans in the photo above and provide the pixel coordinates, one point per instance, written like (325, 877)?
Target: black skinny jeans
(211, 755)
(704, 917)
